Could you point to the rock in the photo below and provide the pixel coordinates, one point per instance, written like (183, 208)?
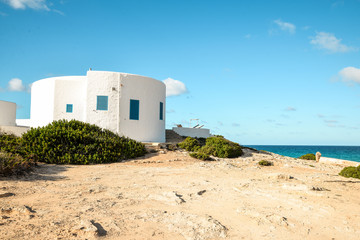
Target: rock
(25, 209)
(87, 226)
(172, 198)
(201, 192)
(194, 227)
(6, 210)
(319, 189)
(8, 194)
(97, 189)
(284, 176)
(318, 156)
(99, 229)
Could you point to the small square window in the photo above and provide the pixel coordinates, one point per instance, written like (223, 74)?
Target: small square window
(134, 109)
(161, 111)
(102, 103)
(69, 108)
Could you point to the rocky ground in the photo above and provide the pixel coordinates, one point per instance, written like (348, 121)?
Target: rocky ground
(169, 195)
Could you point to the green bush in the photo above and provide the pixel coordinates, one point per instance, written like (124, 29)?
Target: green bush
(75, 142)
(200, 155)
(10, 143)
(309, 156)
(353, 172)
(171, 147)
(265, 163)
(221, 147)
(190, 144)
(12, 164)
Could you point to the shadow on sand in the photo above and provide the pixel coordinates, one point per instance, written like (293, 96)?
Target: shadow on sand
(343, 181)
(41, 172)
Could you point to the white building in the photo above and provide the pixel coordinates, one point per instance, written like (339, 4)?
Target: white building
(128, 104)
(7, 113)
(192, 132)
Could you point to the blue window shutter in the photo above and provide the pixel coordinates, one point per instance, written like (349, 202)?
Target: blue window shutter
(134, 109)
(69, 108)
(161, 111)
(102, 103)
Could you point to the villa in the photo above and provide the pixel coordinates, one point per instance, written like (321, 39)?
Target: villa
(128, 104)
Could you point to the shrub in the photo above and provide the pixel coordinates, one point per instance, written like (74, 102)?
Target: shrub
(265, 163)
(221, 147)
(309, 156)
(353, 172)
(11, 164)
(171, 147)
(200, 155)
(10, 143)
(190, 144)
(75, 142)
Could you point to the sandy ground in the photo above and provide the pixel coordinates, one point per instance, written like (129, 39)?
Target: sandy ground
(172, 196)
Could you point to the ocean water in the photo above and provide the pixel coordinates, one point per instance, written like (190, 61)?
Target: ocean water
(351, 153)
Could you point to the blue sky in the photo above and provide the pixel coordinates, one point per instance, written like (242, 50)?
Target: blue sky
(257, 72)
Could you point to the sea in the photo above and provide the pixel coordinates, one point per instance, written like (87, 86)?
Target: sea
(351, 153)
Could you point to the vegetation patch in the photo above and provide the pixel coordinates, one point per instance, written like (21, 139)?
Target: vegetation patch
(353, 172)
(11, 164)
(221, 147)
(309, 156)
(171, 147)
(76, 142)
(9, 143)
(200, 155)
(190, 144)
(216, 146)
(265, 163)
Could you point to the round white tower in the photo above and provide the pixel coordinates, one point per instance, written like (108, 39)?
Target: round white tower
(7, 113)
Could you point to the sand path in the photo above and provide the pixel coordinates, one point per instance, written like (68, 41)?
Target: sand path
(172, 196)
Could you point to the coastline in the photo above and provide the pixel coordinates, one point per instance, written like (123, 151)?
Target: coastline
(346, 153)
(338, 161)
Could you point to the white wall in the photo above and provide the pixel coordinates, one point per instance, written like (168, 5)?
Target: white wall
(192, 132)
(50, 96)
(70, 90)
(23, 122)
(7, 113)
(42, 102)
(100, 83)
(150, 92)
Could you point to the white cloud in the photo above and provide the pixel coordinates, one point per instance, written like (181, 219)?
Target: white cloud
(290, 109)
(174, 87)
(247, 36)
(350, 74)
(16, 85)
(286, 26)
(328, 41)
(23, 4)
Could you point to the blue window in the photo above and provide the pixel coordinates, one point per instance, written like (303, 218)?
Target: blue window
(69, 108)
(102, 103)
(161, 111)
(134, 109)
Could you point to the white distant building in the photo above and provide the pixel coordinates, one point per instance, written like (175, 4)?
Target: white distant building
(128, 104)
(7, 113)
(192, 132)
